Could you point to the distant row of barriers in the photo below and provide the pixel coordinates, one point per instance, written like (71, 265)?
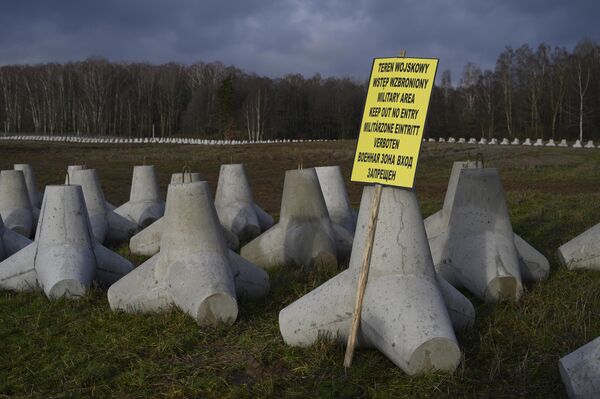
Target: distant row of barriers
(146, 140)
(189, 140)
(537, 143)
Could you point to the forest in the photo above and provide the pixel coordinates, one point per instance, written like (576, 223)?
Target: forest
(544, 92)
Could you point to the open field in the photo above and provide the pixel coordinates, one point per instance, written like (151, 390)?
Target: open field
(81, 349)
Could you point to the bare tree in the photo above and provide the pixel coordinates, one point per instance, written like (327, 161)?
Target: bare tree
(504, 70)
(583, 56)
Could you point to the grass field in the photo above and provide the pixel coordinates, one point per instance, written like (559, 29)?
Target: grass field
(80, 348)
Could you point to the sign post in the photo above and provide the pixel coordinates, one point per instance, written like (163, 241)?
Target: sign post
(389, 142)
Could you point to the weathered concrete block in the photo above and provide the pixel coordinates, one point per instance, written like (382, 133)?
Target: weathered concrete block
(64, 257)
(70, 170)
(532, 265)
(11, 242)
(107, 226)
(235, 205)
(580, 371)
(34, 195)
(304, 235)
(583, 251)
(145, 205)
(194, 270)
(186, 177)
(404, 314)
(147, 241)
(342, 216)
(478, 246)
(15, 205)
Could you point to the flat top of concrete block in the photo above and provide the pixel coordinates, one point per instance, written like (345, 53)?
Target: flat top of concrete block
(11, 172)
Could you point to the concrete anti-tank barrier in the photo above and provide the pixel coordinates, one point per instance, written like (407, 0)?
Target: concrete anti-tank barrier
(341, 213)
(145, 204)
(15, 205)
(404, 313)
(34, 195)
(147, 241)
(194, 270)
(480, 200)
(304, 235)
(64, 258)
(235, 204)
(580, 371)
(107, 226)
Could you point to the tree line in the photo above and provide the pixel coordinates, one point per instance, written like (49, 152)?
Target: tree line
(547, 92)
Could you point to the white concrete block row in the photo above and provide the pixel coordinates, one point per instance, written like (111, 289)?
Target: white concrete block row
(147, 140)
(516, 141)
(145, 206)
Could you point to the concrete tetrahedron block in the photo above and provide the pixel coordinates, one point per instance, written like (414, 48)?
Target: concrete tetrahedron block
(476, 247)
(583, 251)
(15, 205)
(341, 213)
(147, 241)
(186, 177)
(580, 371)
(70, 170)
(304, 235)
(194, 270)
(11, 242)
(107, 226)
(64, 257)
(34, 195)
(533, 265)
(235, 204)
(145, 204)
(404, 314)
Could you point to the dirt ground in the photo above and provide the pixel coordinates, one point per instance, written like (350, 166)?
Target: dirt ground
(522, 168)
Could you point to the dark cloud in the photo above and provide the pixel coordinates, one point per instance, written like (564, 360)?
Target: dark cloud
(273, 37)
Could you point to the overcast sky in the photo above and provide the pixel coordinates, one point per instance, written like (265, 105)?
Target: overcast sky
(277, 37)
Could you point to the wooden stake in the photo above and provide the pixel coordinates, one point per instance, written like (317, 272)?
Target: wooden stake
(364, 275)
(364, 269)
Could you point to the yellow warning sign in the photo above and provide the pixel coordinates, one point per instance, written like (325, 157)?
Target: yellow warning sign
(391, 131)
